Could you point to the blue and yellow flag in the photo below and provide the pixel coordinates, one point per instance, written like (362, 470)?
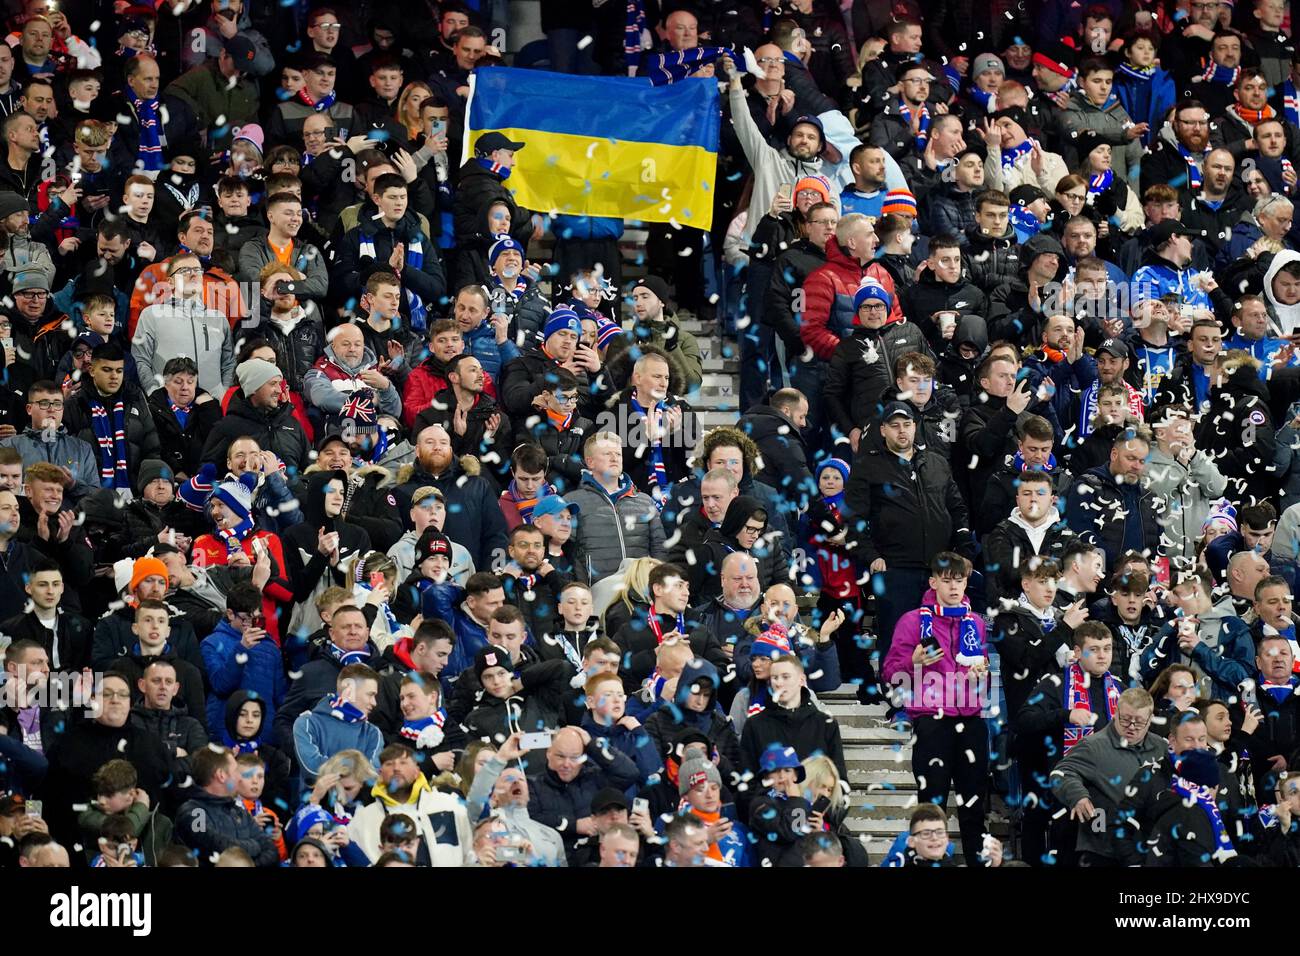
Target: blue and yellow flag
(603, 145)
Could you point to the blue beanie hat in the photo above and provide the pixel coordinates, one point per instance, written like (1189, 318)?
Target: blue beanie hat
(196, 492)
(1198, 766)
(562, 320)
(871, 289)
(502, 244)
(304, 820)
(237, 495)
(839, 464)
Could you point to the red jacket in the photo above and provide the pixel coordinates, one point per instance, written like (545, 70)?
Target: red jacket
(422, 384)
(293, 398)
(209, 550)
(828, 312)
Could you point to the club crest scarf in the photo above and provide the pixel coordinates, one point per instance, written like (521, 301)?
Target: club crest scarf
(1193, 165)
(1135, 73)
(657, 629)
(423, 731)
(1100, 182)
(970, 646)
(1088, 406)
(233, 538)
(1076, 698)
(1011, 156)
(1046, 619)
(344, 658)
(109, 427)
(150, 152)
(1201, 796)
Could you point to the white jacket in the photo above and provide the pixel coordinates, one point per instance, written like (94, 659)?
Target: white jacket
(442, 820)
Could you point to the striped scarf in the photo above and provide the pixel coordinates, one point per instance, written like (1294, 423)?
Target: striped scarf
(496, 169)
(182, 412)
(525, 506)
(1047, 622)
(233, 538)
(344, 658)
(658, 473)
(970, 647)
(1291, 103)
(1193, 166)
(345, 711)
(559, 421)
(658, 630)
(1088, 406)
(989, 101)
(110, 435)
(412, 729)
(635, 27)
(150, 154)
(1101, 182)
(1201, 796)
(665, 68)
(1252, 117)
(1076, 698)
(417, 311)
(1136, 74)
(922, 126)
(1225, 75)
(1012, 155)
(320, 105)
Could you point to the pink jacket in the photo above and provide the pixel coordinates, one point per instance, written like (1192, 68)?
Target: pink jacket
(946, 687)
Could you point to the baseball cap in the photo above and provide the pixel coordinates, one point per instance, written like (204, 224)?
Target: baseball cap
(489, 142)
(1158, 235)
(894, 409)
(1115, 347)
(553, 505)
(12, 803)
(608, 799)
(242, 52)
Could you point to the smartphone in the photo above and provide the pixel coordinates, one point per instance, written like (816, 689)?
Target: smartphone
(508, 853)
(641, 805)
(439, 127)
(35, 808)
(728, 811)
(331, 132)
(821, 804)
(785, 191)
(538, 741)
(259, 621)
(376, 579)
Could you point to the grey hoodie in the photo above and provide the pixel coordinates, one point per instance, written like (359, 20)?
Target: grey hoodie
(1188, 491)
(547, 844)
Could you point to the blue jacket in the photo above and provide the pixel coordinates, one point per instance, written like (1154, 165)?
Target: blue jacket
(1227, 665)
(577, 228)
(1147, 102)
(232, 667)
(1263, 349)
(443, 601)
(482, 344)
(636, 745)
(319, 735)
(1069, 379)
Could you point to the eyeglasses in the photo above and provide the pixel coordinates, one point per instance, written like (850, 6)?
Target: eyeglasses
(930, 833)
(32, 294)
(328, 26)
(769, 60)
(566, 399)
(188, 271)
(116, 695)
(1131, 721)
(922, 80)
(49, 405)
(750, 529)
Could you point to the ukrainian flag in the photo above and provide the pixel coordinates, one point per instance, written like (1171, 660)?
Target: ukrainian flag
(603, 145)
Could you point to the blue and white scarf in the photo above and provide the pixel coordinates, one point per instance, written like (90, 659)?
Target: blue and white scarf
(658, 473)
(411, 729)
(635, 27)
(1010, 156)
(922, 126)
(1135, 74)
(665, 68)
(1048, 623)
(1223, 75)
(345, 711)
(361, 590)
(149, 156)
(1201, 796)
(1291, 103)
(417, 311)
(320, 105)
(496, 169)
(1101, 182)
(989, 101)
(344, 658)
(1193, 169)
(110, 435)
(970, 647)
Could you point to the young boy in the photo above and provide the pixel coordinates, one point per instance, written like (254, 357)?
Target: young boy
(424, 724)
(234, 226)
(606, 717)
(249, 784)
(1034, 530)
(117, 843)
(116, 791)
(576, 626)
(1108, 421)
(938, 663)
(530, 702)
(780, 815)
(1032, 636)
(1132, 621)
(399, 834)
(152, 629)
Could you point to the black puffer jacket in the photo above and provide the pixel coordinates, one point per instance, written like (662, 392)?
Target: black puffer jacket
(928, 296)
(477, 188)
(1237, 433)
(274, 429)
(991, 261)
(297, 349)
(904, 511)
(212, 825)
(862, 370)
(789, 271)
(182, 448)
(558, 804)
(784, 453)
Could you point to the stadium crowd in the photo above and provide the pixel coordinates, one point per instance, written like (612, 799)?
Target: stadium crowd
(423, 555)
